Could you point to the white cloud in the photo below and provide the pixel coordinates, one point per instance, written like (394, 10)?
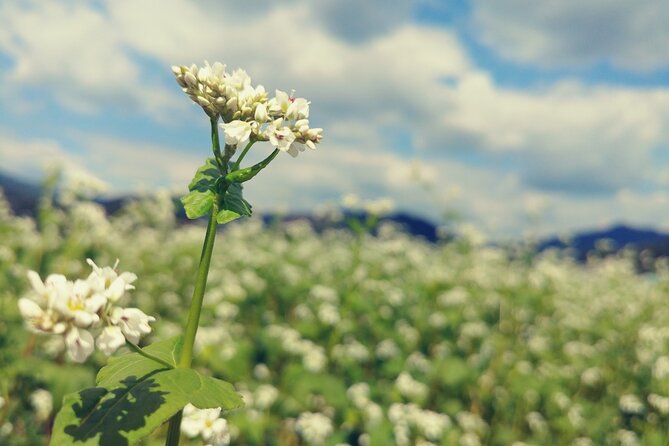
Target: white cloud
(74, 52)
(631, 34)
(364, 90)
(563, 137)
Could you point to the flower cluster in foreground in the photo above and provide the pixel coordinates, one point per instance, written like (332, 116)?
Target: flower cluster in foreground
(247, 111)
(78, 309)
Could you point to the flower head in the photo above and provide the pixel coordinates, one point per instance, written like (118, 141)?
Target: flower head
(80, 310)
(246, 109)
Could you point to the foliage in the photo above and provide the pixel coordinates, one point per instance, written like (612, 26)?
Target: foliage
(509, 347)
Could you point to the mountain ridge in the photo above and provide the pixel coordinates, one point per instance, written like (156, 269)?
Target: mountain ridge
(23, 197)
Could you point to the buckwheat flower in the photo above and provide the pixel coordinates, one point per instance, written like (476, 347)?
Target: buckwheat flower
(282, 137)
(108, 282)
(42, 402)
(265, 396)
(260, 114)
(631, 404)
(133, 322)
(39, 320)
(288, 106)
(627, 437)
(314, 359)
(411, 388)
(236, 132)
(211, 74)
(110, 339)
(358, 394)
(659, 403)
(314, 428)
(205, 423)
(661, 368)
(79, 343)
(469, 439)
(79, 305)
(262, 372)
(6, 429)
(45, 292)
(432, 424)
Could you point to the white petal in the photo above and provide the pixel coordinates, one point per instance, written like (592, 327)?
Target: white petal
(95, 302)
(29, 308)
(116, 289)
(79, 344)
(110, 339)
(36, 282)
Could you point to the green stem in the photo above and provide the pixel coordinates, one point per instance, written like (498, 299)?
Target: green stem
(186, 357)
(198, 293)
(216, 145)
(243, 154)
(174, 430)
(137, 349)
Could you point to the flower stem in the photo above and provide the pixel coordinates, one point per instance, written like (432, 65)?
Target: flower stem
(243, 154)
(186, 358)
(139, 350)
(216, 145)
(198, 293)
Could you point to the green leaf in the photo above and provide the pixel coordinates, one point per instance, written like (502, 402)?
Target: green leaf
(134, 364)
(205, 177)
(136, 406)
(233, 205)
(198, 203)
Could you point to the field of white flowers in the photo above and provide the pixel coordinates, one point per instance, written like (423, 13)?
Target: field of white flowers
(335, 338)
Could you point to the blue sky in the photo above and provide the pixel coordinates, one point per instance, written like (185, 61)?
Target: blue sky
(523, 116)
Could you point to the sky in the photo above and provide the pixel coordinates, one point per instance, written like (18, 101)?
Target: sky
(520, 116)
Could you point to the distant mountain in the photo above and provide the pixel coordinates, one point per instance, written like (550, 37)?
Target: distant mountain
(22, 196)
(611, 240)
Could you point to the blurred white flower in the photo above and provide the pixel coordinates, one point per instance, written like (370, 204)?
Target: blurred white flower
(659, 403)
(42, 402)
(314, 428)
(265, 396)
(410, 388)
(631, 404)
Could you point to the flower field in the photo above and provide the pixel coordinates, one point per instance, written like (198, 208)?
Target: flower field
(338, 337)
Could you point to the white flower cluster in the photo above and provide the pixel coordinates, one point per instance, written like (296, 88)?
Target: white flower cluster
(432, 425)
(411, 388)
(314, 358)
(359, 396)
(42, 403)
(75, 310)
(315, 428)
(246, 110)
(207, 424)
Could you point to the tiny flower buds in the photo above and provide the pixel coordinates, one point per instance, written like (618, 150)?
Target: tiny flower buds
(245, 109)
